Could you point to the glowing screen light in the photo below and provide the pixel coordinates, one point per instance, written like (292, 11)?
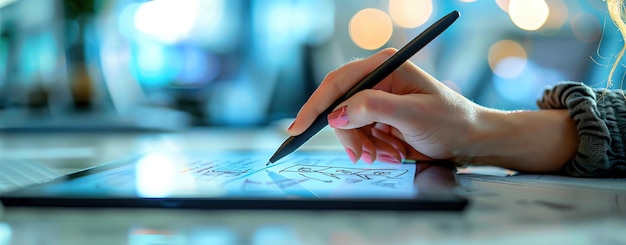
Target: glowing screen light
(370, 28)
(528, 15)
(507, 58)
(158, 175)
(410, 13)
(155, 176)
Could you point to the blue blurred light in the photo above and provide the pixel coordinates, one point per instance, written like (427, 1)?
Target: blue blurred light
(528, 86)
(275, 234)
(218, 25)
(39, 55)
(4, 58)
(154, 65)
(510, 67)
(127, 15)
(198, 67)
(318, 19)
(238, 103)
(213, 235)
(6, 233)
(277, 29)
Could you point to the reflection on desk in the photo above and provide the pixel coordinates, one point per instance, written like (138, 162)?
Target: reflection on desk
(519, 209)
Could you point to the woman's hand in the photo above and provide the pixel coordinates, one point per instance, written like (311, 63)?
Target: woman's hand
(408, 115)
(411, 115)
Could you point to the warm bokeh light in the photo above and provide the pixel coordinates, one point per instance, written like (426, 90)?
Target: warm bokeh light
(503, 4)
(370, 28)
(528, 15)
(586, 27)
(410, 13)
(558, 14)
(507, 58)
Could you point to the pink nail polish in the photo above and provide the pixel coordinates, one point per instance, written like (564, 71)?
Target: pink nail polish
(338, 118)
(366, 157)
(388, 158)
(291, 126)
(351, 155)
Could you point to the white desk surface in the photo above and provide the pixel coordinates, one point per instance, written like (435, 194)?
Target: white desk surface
(522, 209)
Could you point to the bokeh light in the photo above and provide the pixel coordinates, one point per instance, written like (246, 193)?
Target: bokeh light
(528, 15)
(198, 67)
(410, 13)
(558, 15)
(510, 67)
(503, 4)
(126, 16)
(167, 20)
(155, 65)
(529, 84)
(507, 58)
(213, 28)
(586, 27)
(370, 28)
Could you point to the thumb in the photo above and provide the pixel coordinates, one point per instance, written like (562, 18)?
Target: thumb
(370, 106)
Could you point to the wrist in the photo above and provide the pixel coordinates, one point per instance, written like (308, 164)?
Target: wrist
(535, 141)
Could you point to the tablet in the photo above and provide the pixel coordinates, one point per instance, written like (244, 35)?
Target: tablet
(241, 180)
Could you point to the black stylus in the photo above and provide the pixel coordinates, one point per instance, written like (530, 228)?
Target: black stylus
(391, 64)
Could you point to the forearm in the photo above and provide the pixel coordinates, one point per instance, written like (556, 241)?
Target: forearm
(529, 141)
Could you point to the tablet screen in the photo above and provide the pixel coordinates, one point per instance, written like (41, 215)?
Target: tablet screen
(215, 176)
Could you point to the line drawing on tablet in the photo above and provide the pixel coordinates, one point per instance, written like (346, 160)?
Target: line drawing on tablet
(329, 174)
(317, 173)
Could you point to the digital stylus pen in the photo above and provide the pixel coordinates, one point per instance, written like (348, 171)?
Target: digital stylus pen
(391, 64)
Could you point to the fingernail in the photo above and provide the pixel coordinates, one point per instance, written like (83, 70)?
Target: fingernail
(366, 157)
(389, 158)
(291, 126)
(351, 155)
(338, 117)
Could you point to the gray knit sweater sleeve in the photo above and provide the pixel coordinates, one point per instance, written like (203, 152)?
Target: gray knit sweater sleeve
(600, 117)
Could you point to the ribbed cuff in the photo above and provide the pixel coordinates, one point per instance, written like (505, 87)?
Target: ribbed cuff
(597, 116)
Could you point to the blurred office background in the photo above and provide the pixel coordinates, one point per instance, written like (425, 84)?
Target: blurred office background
(173, 64)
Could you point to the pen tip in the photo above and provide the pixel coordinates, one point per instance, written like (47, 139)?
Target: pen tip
(268, 163)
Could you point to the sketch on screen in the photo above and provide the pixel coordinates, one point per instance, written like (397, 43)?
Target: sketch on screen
(246, 174)
(329, 174)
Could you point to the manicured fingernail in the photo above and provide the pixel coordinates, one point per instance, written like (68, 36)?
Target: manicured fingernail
(389, 158)
(366, 157)
(351, 155)
(338, 117)
(291, 126)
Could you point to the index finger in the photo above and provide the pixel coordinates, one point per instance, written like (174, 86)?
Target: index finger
(335, 85)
